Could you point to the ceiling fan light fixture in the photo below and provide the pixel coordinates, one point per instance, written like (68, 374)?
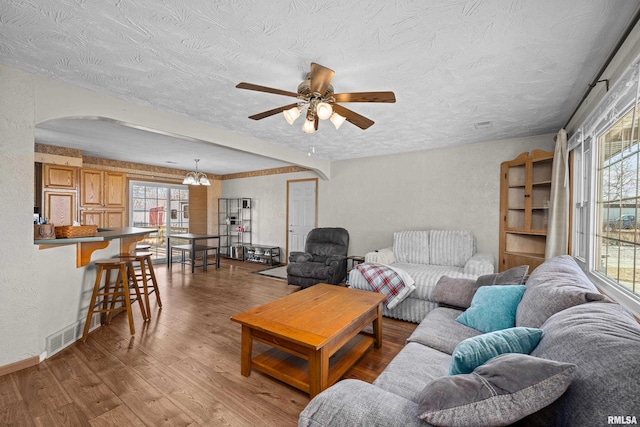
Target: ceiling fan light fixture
(337, 120)
(318, 96)
(309, 126)
(324, 110)
(291, 114)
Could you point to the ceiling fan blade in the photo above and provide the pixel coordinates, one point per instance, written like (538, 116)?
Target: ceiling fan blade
(269, 113)
(320, 77)
(365, 97)
(352, 117)
(251, 86)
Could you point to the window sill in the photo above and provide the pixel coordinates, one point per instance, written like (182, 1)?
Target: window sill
(625, 299)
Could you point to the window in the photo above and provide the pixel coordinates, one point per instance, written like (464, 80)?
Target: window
(159, 206)
(605, 149)
(581, 166)
(617, 235)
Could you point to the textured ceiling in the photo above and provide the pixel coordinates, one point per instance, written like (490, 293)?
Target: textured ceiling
(521, 65)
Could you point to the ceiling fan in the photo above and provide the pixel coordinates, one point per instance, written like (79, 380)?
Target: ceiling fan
(316, 92)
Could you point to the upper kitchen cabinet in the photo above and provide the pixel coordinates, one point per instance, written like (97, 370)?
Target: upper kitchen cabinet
(59, 176)
(102, 189)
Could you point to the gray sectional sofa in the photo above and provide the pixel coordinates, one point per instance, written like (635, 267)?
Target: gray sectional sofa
(426, 256)
(582, 368)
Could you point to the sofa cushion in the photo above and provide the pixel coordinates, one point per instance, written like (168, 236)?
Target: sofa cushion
(555, 285)
(513, 276)
(351, 403)
(473, 352)
(441, 331)
(458, 292)
(500, 392)
(451, 247)
(603, 340)
(412, 369)
(411, 247)
(493, 308)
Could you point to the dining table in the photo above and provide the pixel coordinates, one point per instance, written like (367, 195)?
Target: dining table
(193, 238)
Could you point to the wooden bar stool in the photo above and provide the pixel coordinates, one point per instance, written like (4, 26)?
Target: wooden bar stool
(117, 292)
(143, 276)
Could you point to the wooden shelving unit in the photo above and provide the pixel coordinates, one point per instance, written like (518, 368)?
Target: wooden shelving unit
(525, 191)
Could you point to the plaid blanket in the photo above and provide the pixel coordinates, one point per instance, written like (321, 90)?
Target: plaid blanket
(383, 280)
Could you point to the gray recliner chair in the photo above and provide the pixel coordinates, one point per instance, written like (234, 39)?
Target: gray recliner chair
(324, 259)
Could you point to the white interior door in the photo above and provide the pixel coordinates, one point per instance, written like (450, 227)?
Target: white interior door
(301, 214)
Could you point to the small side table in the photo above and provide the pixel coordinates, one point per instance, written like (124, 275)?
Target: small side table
(354, 260)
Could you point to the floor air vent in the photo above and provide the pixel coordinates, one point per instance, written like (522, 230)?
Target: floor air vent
(68, 335)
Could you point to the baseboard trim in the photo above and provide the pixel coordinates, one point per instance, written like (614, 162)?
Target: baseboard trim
(17, 366)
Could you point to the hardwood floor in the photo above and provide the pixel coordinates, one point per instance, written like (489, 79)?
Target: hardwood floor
(180, 369)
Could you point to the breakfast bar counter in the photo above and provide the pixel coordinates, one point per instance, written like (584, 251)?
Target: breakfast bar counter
(128, 236)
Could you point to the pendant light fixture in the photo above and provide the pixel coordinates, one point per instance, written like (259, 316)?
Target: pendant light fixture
(196, 178)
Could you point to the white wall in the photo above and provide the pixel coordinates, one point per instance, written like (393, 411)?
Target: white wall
(452, 188)
(268, 205)
(41, 291)
(20, 274)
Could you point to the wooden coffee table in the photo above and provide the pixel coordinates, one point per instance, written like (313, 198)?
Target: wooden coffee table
(316, 335)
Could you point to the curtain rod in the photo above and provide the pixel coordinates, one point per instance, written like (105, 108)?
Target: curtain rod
(615, 50)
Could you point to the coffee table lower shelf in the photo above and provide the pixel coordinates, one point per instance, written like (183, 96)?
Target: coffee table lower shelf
(294, 370)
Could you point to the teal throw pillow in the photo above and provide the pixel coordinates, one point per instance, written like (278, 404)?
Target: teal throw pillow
(493, 308)
(475, 351)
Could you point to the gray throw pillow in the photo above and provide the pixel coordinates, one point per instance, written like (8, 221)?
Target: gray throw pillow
(513, 276)
(454, 291)
(459, 292)
(504, 390)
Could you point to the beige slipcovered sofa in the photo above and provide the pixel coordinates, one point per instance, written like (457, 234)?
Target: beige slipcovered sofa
(426, 256)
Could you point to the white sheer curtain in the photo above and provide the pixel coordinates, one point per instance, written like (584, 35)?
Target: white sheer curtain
(558, 225)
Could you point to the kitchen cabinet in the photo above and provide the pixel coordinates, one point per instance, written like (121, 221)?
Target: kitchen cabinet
(59, 194)
(59, 176)
(102, 198)
(103, 218)
(102, 189)
(59, 207)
